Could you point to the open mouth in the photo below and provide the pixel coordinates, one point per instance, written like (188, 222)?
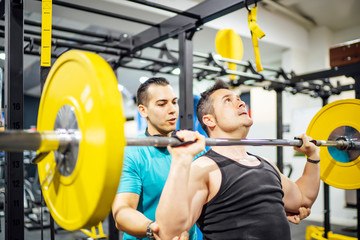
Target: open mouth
(172, 120)
(243, 113)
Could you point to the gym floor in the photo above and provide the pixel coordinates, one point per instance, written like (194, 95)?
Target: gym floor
(297, 231)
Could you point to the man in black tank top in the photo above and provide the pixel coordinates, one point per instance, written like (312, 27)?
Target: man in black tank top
(230, 193)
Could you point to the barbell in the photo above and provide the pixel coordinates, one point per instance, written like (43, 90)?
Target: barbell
(62, 139)
(80, 140)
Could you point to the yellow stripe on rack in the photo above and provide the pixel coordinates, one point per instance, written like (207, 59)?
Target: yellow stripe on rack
(46, 33)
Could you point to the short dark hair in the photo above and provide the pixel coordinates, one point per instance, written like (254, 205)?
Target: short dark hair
(205, 104)
(142, 94)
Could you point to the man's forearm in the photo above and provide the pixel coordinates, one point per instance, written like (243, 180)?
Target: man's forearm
(172, 213)
(131, 221)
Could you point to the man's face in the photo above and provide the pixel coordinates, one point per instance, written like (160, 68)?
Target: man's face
(229, 111)
(162, 109)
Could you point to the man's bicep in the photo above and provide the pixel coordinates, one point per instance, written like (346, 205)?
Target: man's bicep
(126, 200)
(292, 195)
(198, 191)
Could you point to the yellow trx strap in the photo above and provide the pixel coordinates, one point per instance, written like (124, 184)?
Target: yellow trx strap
(256, 33)
(46, 33)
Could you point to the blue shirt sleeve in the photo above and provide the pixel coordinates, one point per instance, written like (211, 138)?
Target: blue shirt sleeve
(130, 178)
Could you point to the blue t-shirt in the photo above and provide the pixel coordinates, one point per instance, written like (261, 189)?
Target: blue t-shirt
(145, 170)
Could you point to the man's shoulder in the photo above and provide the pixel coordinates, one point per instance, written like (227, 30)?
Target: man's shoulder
(138, 153)
(144, 153)
(204, 162)
(262, 158)
(202, 168)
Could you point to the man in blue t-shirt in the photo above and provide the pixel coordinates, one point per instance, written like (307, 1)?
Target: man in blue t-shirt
(146, 168)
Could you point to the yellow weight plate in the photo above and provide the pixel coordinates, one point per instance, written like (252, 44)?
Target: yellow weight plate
(84, 82)
(336, 170)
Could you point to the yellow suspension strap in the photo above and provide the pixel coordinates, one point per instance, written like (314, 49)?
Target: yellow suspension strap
(256, 33)
(93, 234)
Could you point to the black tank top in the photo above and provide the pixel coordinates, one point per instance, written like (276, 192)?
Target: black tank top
(248, 205)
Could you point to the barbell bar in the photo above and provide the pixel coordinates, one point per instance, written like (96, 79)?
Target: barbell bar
(81, 140)
(59, 140)
(341, 144)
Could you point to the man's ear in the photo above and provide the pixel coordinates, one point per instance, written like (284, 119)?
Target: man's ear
(209, 121)
(142, 110)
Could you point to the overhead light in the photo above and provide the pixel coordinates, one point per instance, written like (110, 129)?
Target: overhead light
(120, 87)
(143, 79)
(176, 71)
(2, 56)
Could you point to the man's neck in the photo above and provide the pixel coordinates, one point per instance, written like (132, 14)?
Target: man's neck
(240, 134)
(232, 152)
(153, 131)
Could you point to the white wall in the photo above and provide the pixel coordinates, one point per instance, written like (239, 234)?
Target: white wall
(346, 35)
